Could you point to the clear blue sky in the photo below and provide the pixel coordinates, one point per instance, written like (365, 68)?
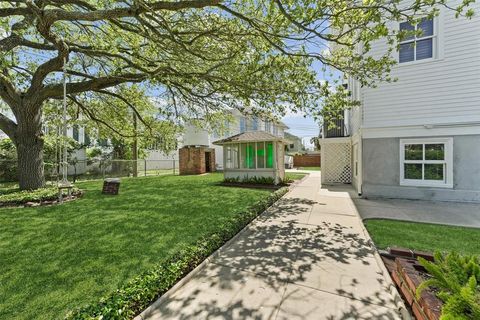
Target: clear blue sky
(302, 127)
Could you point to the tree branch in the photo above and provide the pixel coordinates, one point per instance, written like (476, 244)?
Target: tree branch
(8, 126)
(53, 15)
(134, 109)
(92, 116)
(100, 83)
(20, 11)
(7, 91)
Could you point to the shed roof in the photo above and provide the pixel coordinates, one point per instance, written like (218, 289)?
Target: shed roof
(250, 136)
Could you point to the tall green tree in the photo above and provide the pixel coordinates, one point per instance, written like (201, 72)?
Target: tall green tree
(204, 55)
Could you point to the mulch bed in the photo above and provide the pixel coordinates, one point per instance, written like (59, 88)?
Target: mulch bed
(408, 274)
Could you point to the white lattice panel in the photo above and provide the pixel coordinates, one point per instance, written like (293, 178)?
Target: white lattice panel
(336, 162)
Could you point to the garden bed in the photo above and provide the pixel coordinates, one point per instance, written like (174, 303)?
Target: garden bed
(265, 183)
(408, 274)
(46, 196)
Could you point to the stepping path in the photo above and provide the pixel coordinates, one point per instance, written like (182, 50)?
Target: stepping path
(306, 257)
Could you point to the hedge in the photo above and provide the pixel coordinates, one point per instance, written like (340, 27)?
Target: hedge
(141, 291)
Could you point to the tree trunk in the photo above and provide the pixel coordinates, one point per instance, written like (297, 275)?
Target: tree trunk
(29, 142)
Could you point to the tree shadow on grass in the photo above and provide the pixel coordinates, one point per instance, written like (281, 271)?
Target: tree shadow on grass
(259, 274)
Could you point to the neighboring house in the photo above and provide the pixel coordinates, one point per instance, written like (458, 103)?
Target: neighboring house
(419, 137)
(294, 144)
(200, 137)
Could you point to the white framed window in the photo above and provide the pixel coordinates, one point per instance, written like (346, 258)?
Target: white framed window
(426, 162)
(419, 46)
(255, 124)
(268, 126)
(243, 125)
(231, 156)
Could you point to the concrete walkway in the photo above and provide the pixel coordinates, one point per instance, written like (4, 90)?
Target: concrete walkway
(439, 212)
(307, 257)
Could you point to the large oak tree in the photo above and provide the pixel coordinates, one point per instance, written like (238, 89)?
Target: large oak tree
(203, 55)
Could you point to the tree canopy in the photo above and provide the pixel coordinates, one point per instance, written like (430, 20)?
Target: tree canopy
(200, 56)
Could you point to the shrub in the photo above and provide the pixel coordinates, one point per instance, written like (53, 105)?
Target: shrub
(457, 279)
(139, 292)
(16, 197)
(231, 180)
(251, 180)
(8, 162)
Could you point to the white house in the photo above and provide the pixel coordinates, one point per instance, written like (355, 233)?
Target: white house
(419, 137)
(294, 144)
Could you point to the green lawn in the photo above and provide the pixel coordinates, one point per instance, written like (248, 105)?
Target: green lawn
(309, 168)
(57, 258)
(423, 236)
(294, 176)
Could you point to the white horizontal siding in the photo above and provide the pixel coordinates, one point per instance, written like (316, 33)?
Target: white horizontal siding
(445, 90)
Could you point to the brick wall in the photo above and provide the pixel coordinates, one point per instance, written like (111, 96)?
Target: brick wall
(306, 160)
(192, 160)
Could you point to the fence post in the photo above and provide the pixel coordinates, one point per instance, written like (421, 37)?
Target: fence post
(102, 167)
(173, 166)
(145, 166)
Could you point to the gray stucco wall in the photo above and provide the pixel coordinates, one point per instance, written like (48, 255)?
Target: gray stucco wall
(381, 171)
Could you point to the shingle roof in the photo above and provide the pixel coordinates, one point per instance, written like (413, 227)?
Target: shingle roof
(249, 136)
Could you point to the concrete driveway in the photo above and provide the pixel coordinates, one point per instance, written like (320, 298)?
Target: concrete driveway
(307, 257)
(439, 212)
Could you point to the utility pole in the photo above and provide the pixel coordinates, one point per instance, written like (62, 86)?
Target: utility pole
(135, 146)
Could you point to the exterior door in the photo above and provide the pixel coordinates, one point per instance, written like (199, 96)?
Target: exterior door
(207, 162)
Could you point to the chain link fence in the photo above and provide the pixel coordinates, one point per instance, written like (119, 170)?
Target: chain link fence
(79, 170)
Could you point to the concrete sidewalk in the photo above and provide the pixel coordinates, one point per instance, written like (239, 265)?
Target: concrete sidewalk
(307, 257)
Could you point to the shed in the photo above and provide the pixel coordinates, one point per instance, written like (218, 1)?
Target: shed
(253, 154)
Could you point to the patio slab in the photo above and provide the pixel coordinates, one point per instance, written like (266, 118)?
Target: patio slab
(438, 212)
(307, 257)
